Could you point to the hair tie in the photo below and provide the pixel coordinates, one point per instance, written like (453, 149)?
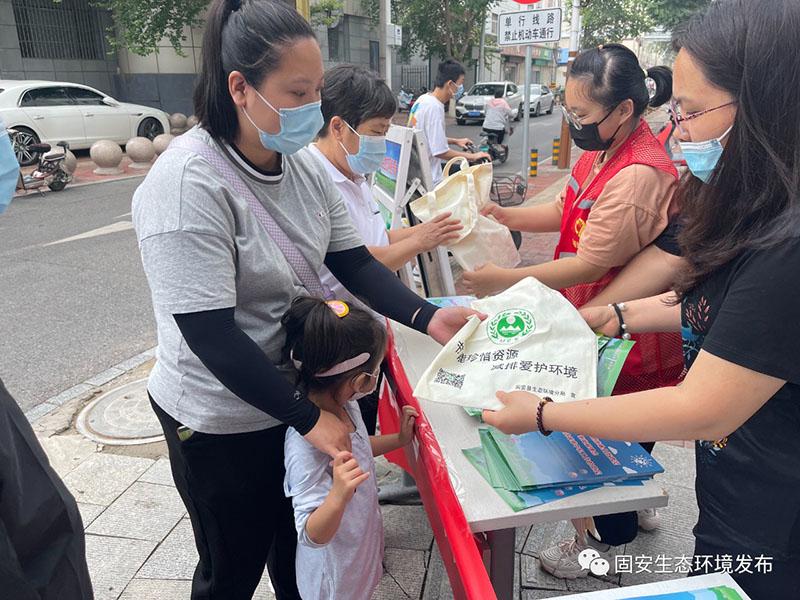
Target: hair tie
(339, 308)
(651, 86)
(297, 364)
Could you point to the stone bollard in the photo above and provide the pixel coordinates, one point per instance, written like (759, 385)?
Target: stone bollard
(191, 122)
(107, 155)
(70, 162)
(141, 152)
(161, 142)
(177, 123)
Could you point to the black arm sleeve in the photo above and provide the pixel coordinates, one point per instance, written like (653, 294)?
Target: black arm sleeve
(668, 240)
(242, 367)
(368, 278)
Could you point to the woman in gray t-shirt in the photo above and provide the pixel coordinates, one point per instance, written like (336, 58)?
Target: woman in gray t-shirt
(220, 283)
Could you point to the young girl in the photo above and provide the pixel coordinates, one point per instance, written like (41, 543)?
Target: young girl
(737, 122)
(337, 350)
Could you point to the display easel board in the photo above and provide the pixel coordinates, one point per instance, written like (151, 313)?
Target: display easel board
(404, 175)
(389, 185)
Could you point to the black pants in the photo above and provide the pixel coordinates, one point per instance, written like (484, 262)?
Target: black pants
(621, 528)
(232, 486)
(500, 133)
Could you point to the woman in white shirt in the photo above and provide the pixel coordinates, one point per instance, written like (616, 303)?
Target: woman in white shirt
(358, 106)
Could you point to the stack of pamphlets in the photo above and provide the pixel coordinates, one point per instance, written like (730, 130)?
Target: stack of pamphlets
(532, 469)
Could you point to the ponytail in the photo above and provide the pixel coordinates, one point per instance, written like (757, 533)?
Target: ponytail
(241, 35)
(662, 77)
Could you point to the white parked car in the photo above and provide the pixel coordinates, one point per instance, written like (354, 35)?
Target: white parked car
(471, 106)
(52, 111)
(542, 99)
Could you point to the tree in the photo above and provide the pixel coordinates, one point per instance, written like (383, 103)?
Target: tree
(670, 14)
(443, 28)
(140, 25)
(606, 21)
(326, 13)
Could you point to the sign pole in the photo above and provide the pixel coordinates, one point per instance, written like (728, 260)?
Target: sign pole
(526, 122)
(526, 28)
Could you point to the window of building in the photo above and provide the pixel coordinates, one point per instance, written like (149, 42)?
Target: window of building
(334, 48)
(375, 56)
(70, 29)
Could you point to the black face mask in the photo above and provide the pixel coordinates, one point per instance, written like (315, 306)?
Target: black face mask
(588, 136)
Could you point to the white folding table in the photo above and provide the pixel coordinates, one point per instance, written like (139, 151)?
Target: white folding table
(484, 509)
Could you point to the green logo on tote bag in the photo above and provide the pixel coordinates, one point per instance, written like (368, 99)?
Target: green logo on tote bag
(512, 325)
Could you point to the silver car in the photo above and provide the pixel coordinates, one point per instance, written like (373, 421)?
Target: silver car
(471, 105)
(541, 100)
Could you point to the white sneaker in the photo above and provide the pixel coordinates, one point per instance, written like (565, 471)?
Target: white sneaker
(562, 560)
(649, 519)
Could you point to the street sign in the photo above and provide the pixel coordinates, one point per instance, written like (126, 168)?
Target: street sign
(529, 27)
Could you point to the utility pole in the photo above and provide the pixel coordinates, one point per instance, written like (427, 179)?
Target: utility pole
(385, 20)
(482, 51)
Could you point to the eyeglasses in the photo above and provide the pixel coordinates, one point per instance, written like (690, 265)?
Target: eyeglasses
(575, 120)
(678, 118)
(572, 118)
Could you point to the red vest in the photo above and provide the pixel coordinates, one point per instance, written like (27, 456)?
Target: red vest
(657, 359)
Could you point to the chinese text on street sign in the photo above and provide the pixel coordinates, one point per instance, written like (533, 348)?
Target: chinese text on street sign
(529, 27)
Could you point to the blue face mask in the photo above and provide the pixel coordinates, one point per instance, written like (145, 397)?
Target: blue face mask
(299, 126)
(460, 91)
(371, 151)
(702, 157)
(9, 170)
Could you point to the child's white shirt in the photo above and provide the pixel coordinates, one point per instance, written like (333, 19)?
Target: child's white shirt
(350, 566)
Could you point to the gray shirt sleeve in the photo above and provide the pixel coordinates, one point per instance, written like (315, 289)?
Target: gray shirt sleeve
(308, 481)
(186, 239)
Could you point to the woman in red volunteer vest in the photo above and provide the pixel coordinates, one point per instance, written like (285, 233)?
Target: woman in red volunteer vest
(616, 203)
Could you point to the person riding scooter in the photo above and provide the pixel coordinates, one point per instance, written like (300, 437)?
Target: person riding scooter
(498, 116)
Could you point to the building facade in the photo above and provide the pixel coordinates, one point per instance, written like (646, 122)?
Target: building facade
(66, 41)
(40, 39)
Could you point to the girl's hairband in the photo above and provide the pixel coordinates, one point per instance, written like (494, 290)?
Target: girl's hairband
(338, 369)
